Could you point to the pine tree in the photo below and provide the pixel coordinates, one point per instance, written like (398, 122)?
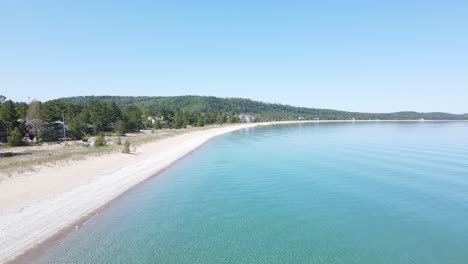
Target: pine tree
(221, 119)
(178, 121)
(8, 115)
(200, 121)
(14, 139)
(116, 113)
(34, 117)
(157, 124)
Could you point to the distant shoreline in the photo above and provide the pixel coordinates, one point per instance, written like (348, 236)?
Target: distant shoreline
(360, 120)
(197, 103)
(29, 229)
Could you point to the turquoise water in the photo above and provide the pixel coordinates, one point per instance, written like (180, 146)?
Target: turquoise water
(316, 193)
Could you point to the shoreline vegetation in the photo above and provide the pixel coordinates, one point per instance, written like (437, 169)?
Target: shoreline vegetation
(78, 118)
(56, 194)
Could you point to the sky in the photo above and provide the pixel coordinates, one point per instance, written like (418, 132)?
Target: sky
(370, 56)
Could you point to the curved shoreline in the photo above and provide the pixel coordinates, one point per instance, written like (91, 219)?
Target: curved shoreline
(28, 230)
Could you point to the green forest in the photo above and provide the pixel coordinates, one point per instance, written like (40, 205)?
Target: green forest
(263, 111)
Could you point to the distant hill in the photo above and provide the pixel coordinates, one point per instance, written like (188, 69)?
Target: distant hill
(266, 111)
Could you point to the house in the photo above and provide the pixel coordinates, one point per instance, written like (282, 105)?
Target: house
(3, 132)
(55, 130)
(243, 118)
(154, 119)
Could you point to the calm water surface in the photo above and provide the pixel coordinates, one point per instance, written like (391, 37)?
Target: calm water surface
(317, 193)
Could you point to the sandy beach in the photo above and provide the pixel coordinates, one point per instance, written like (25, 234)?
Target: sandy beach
(37, 205)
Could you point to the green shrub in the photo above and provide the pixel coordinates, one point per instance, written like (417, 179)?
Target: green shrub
(100, 140)
(15, 139)
(119, 141)
(85, 138)
(200, 121)
(148, 124)
(126, 148)
(120, 128)
(157, 124)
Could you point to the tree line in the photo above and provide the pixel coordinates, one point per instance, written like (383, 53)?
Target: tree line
(91, 115)
(44, 120)
(263, 111)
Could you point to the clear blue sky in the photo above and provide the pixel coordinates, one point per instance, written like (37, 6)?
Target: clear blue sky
(349, 55)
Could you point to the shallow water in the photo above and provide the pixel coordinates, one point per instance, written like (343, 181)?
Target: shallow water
(315, 193)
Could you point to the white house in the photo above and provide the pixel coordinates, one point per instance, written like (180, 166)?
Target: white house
(153, 119)
(244, 118)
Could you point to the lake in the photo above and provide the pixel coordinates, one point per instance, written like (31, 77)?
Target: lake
(305, 193)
